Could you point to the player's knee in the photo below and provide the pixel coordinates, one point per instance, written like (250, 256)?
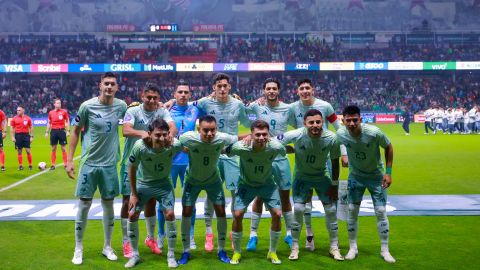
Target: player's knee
(330, 210)
(220, 211)
(276, 213)
(380, 212)
(299, 208)
(169, 215)
(238, 214)
(133, 216)
(187, 211)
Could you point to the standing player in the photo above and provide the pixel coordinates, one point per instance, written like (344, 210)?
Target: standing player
(59, 127)
(276, 114)
(227, 111)
(3, 134)
(185, 117)
(99, 116)
(313, 147)
(135, 127)
(153, 156)
(21, 132)
(204, 148)
(429, 116)
(256, 180)
(306, 91)
(460, 120)
(363, 144)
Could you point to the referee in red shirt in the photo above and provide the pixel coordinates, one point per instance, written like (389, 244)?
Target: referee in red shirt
(3, 134)
(22, 135)
(59, 127)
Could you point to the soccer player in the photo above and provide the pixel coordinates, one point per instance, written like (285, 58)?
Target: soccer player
(100, 151)
(256, 180)
(135, 127)
(313, 146)
(363, 144)
(204, 149)
(58, 126)
(306, 92)
(3, 134)
(153, 156)
(227, 111)
(406, 121)
(21, 132)
(472, 120)
(185, 117)
(276, 114)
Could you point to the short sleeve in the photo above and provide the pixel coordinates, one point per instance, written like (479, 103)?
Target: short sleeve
(82, 116)
(134, 158)
(129, 116)
(335, 150)
(382, 139)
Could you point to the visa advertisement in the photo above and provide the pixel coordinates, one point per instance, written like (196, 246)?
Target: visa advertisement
(8, 68)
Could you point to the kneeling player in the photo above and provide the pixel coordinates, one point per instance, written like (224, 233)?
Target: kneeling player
(363, 144)
(153, 156)
(256, 180)
(313, 146)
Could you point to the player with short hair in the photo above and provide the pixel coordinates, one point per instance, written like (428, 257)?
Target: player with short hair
(3, 134)
(185, 116)
(227, 111)
(153, 156)
(21, 132)
(307, 101)
(363, 144)
(204, 149)
(135, 127)
(99, 116)
(313, 147)
(429, 116)
(270, 109)
(256, 180)
(58, 126)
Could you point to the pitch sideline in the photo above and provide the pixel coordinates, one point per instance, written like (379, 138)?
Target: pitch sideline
(31, 177)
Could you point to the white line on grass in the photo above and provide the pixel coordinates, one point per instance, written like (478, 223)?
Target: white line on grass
(31, 177)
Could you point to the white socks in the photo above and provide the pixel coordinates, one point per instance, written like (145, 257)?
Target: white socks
(331, 223)
(132, 231)
(237, 241)
(150, 223)
(81, 222)
(185, 230)
(108, 221)
(209, 210)
(222, 232)
(171, 234)
(274, 236)
(254, 222)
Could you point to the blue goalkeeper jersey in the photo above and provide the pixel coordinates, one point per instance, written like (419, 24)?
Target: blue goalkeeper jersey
(185, 118)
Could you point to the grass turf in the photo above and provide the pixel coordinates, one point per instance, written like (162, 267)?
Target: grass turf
(416, 243)
(433, 164)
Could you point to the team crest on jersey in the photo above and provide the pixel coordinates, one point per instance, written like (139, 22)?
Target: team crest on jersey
(131, 159)
(280, 137)
(127, 118)
(60, 117)
(25, 122)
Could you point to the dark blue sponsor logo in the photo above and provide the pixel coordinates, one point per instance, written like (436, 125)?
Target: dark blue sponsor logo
(302, 66)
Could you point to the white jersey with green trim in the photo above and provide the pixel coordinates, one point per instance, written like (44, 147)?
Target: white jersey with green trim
(139, 118)
(276, 117)
(311, 154)
(363, 152)
(203, 156)
(101, 146)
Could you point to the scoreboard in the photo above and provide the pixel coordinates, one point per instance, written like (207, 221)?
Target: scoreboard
(163, 28)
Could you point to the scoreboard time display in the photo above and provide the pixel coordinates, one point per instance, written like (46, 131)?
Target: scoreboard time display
(163, 28)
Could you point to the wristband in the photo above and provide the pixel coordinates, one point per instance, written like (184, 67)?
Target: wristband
(334, 182)
(388, 170)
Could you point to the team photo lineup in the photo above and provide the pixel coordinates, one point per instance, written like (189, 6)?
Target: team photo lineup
(164, 144)
(240, 134)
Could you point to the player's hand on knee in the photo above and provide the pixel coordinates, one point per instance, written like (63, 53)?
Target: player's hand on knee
(13, 139)
(132, 203)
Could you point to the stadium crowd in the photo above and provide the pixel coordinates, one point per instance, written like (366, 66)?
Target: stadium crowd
(92, 50)
(375, 92)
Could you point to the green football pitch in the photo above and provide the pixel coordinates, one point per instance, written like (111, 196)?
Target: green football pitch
(433, 164)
